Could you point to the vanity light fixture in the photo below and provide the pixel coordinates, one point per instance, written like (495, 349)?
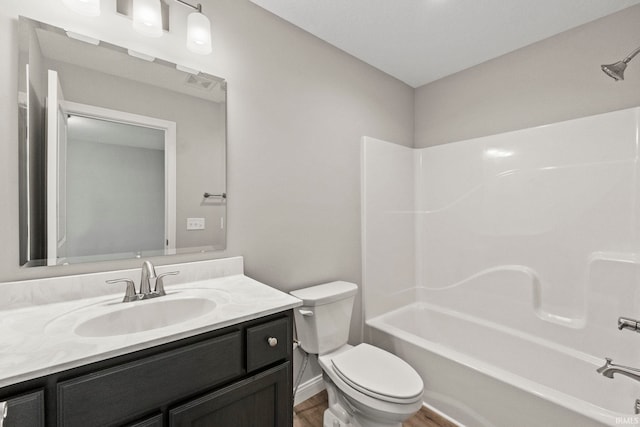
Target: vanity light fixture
(147, 17)
(198, 30)
(84, 7)
(151, 18)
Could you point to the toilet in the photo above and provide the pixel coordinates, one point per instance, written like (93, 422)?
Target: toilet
(367, 386)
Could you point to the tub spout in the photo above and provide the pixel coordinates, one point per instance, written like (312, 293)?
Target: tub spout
(608, 369)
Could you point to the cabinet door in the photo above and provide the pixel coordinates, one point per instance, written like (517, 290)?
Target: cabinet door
(155, 421)
(25, 411)
(263, 400)
(115, 395)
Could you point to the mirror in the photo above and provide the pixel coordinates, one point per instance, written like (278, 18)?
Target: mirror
(121, 155)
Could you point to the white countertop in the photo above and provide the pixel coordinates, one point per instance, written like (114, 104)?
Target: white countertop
(40, 340)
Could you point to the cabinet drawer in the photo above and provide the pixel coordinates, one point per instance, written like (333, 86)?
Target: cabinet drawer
(267, 343)
(25, 411)
(118, 394)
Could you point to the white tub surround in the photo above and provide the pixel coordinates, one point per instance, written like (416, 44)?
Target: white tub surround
(506, 261)
(41, 337)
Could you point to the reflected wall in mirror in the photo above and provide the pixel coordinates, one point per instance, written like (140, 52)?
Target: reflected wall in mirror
(117, 150)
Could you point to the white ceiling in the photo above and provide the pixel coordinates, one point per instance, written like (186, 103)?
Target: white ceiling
(419, 41)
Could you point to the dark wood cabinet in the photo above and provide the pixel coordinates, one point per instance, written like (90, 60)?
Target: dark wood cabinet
(237, 376)
(25, 410)
(154, 421)
(259, 401)
(112, 395)
(267, 343)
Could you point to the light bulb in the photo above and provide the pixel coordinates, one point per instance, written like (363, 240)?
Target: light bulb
(147, 17)
(84, 7)
(198, 33)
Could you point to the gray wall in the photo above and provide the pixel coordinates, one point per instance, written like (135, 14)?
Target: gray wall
(115, 198)
(297, 108)
(553, 80)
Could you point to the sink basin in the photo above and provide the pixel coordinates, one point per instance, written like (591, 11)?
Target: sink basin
(143, 316)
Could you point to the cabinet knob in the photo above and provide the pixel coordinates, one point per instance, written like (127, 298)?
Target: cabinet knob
(272, 341)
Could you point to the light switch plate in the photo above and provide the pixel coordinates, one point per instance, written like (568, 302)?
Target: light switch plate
(195, 223)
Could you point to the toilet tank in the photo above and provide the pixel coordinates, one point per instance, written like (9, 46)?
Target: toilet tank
(322, 323)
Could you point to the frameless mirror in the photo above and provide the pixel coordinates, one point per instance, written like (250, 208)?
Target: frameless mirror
(121, 155)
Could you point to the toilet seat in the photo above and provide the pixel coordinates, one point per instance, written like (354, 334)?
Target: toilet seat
(378, 374)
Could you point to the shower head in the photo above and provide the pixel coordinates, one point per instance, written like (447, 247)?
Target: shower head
(616, 70)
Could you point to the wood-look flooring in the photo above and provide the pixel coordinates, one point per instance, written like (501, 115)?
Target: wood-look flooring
(309, 414)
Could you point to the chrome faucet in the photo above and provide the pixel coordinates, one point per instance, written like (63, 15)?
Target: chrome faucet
(608, 369)
(627, 323)
(148, 274)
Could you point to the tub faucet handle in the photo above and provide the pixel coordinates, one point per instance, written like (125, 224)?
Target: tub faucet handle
(627, 323)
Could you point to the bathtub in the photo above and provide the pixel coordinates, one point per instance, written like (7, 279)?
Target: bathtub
(482, 373)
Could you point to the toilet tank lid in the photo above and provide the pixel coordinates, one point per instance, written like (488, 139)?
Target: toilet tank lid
(325, 293)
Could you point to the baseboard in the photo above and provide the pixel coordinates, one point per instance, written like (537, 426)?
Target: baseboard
(308, 389)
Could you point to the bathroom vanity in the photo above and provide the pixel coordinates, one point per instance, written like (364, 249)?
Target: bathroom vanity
(229, 366)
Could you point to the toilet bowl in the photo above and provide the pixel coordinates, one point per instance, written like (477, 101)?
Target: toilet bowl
(367, 386)
(372, 393)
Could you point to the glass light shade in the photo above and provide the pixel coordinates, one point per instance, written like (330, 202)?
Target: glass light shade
(147, 17)
(84, 7)
(198, 33)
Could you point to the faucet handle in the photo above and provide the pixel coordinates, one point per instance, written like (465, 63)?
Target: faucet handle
(159, 288)
(628, 323)
(130, 292)
(603, 368)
